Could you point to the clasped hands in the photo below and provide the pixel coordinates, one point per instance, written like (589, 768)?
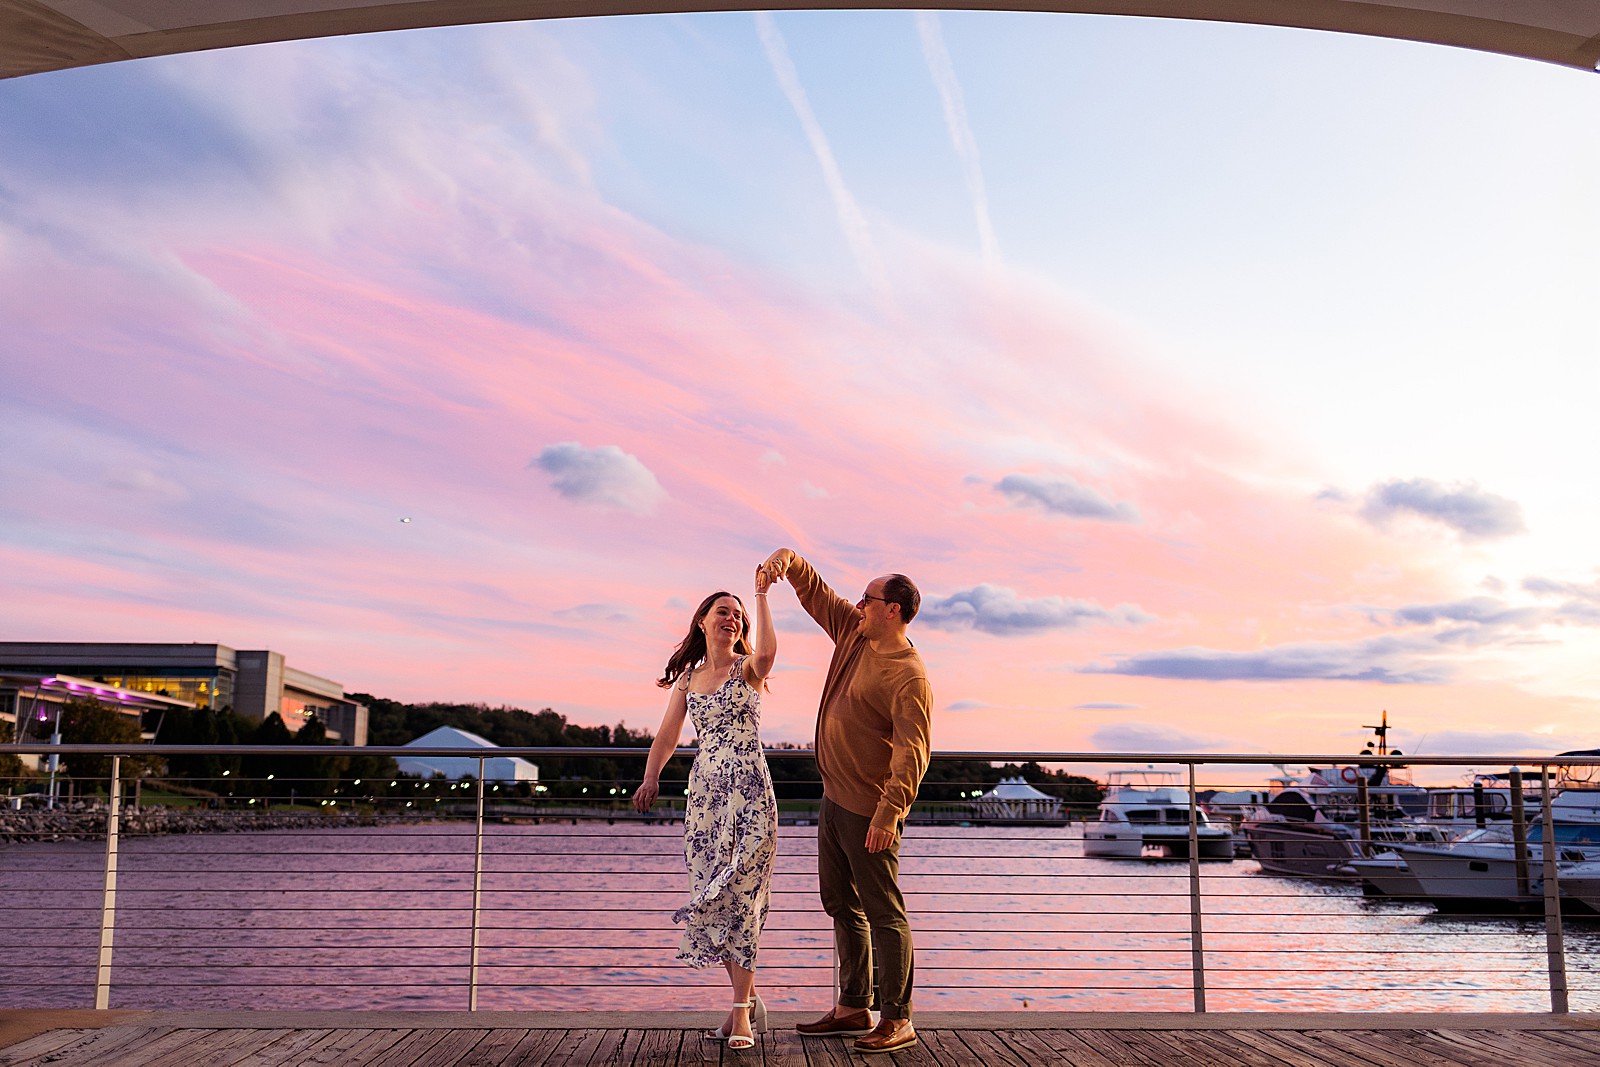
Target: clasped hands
(774, 570)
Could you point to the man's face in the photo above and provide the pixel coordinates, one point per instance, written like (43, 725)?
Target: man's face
(875, 614)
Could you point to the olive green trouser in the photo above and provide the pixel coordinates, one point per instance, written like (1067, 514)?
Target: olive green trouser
(861, 892)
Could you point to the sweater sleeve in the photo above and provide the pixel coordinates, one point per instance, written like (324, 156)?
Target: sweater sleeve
(832, 612)
(911, 719)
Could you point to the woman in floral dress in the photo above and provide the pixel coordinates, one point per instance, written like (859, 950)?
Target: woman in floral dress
(730, 824)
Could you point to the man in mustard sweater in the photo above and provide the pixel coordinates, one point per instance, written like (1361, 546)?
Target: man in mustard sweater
(872, 750)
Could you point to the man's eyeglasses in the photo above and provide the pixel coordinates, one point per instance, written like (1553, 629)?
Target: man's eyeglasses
(879, 599)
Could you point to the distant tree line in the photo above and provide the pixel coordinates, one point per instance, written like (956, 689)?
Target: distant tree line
(344, 771)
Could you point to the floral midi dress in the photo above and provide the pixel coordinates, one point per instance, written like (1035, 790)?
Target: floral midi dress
(730, 828)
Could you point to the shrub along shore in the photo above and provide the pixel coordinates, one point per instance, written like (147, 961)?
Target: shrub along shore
(87, 822)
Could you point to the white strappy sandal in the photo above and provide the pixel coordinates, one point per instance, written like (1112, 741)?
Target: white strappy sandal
(758, 1025)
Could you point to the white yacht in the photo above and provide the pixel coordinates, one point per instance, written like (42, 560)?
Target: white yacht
(1483, 864)
(1581, 882)
(1311, 823)
(1145, 815)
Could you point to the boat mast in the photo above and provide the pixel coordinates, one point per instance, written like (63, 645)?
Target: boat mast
(1382, 732)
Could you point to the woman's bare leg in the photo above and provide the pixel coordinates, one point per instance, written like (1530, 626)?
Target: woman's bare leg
(744, 988)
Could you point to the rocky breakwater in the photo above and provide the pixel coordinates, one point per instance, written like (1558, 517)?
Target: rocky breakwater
(84, 822)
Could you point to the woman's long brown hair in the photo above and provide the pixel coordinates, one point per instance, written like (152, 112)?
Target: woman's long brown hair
(691, 651)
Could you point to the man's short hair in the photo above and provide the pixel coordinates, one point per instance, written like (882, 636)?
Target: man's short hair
(898, 589)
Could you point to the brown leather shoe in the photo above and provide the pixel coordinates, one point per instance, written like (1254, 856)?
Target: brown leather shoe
(891, 1035)
(833, 1025)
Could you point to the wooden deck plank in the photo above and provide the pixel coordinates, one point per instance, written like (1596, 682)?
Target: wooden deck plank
(1271, 1045)
(626, 1048)
(448, 1052)
(1470, 1053)
(512, 1046)
(1175, 1046)
(34, 1049)
(608, 1053)
(827, 1051)
(223, 1048)
(1202, 1047)
(1227, 1043)
(155, 1051)
(1476, 1047)
(1110, 1045)
(659, 1048)
(1585, 1041)
(285, 1050)
(1069, 1044)
(782, 1048)
(698, 1051)
(1380, 1048)
(1320, 1053)
(989, 1048)
(934, 1048)
(1032, 1048)
(106, 1041)
(412, 1045)
(354, 1048)
(1540, 1042)
(575, 1049)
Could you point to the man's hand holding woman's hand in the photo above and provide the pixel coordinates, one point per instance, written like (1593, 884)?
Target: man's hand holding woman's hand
(775, 569)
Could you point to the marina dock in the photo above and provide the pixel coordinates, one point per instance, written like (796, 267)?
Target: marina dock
(124, 1038)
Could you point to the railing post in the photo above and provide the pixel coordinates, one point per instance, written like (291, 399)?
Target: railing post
(108, 899)
(1554, 942)
(1519, 831)
(1197, 948)
(477, 893)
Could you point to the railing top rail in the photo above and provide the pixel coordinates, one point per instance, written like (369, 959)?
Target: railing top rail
(588, 752)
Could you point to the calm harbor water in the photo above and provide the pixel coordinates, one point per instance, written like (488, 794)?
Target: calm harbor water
(579, 916)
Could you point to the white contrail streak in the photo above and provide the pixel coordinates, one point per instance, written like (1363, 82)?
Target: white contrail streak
(955, 120)
(851, 221)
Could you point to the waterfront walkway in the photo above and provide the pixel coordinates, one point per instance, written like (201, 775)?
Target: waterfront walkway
(126, 1038)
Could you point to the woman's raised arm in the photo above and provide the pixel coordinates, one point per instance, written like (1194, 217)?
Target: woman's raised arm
(759, 665)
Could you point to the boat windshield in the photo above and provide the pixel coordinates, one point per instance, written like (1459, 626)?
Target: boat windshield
(1568, 833)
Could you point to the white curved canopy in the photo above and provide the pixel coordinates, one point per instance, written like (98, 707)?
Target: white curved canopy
(44, 35)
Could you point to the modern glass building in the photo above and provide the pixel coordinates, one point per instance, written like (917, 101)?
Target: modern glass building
(252, 683)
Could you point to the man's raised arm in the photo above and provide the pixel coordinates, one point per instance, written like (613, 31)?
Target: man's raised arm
(832, 612)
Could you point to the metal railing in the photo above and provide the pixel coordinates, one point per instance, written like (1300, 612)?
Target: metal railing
(372, 895)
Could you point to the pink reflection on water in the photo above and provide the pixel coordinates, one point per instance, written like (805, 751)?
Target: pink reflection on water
(577, 916)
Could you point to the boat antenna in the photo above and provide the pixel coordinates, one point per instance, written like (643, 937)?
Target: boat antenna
(1382, 731)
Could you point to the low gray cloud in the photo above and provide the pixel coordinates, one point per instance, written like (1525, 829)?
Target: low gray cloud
(967, 705)
(1105, 706)
(994, 609)
(1150, 737)
(1473, 513)
(605, 476)
(1480, 619)
(1574, 590)
(1485, 620)
(1063, 496)
(1389, 660)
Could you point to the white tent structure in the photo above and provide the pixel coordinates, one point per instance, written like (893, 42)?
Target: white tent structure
(1015, 799)
(495, 768)
(45, 35)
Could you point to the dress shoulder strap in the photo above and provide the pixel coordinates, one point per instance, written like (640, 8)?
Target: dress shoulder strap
(737, 670)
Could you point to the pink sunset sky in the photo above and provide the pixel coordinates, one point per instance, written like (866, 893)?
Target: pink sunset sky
(1207, 419)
